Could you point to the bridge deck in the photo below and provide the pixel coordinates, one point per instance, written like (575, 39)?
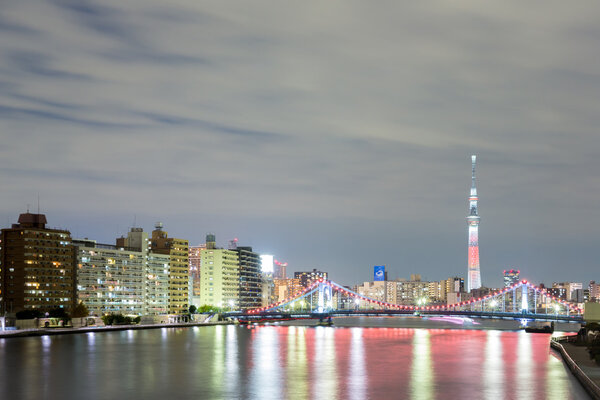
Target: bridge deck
(275, 315)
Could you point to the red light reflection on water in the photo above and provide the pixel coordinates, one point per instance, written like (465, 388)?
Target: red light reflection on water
(417, 363)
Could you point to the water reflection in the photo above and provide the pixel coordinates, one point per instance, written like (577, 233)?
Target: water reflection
(218, 364)
(231, 362)
(296, 368)
(525, 367)
(357, 377)
(421, 382)
(493, 368)
(556, 385)
(325, 374)
(265, 376)
(273, 362)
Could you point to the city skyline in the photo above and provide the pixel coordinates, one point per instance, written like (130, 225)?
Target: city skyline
(332, 137)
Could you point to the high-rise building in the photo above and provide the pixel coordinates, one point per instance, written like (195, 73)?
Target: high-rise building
(179, 267)
(558, 292)
(127, 278)
(306, 278)
(285, 288)
(219, 276)
(434, 291)
(250, 289)
(474, 272)
(268, 289)
(110, 279)
(511, 277)
(279, 270)
(195, 260)
(570, 288)
(580, 295)
(36, 264)
(376, 290)
(451, 285)
(455, 285)
(157, 273)
(594, 290)
(157, 291)
(413, 291)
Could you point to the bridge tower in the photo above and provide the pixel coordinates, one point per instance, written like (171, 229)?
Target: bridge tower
(325, 297)
(524, 299)
(474, 273)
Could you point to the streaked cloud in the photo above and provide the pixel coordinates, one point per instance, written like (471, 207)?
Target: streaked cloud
(337, 125)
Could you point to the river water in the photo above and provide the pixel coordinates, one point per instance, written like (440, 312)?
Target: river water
(285, 362)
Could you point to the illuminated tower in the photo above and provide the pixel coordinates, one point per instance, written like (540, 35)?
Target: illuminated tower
(474, 273)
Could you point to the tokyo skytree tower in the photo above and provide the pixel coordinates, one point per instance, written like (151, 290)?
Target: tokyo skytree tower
(474, 273)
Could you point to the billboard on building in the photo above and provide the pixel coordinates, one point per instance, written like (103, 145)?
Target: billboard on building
(379, 273)
(266, 261)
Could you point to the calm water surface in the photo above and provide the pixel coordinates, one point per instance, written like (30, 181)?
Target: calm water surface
(278, 362)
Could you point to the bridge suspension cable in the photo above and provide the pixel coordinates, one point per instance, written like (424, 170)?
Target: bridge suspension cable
(520, 298)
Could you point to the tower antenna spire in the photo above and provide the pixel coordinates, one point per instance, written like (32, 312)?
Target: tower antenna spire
(473, 161)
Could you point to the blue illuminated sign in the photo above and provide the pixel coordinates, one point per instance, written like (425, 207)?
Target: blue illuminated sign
(379, 272)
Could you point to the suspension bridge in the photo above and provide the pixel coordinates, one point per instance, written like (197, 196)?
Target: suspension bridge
(325, 298)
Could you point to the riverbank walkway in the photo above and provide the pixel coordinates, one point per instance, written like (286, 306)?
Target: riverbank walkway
(579, 362)
(110, 328)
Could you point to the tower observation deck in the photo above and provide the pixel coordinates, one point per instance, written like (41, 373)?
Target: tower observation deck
(474, 273)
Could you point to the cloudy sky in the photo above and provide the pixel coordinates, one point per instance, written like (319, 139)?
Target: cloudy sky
(334, 135)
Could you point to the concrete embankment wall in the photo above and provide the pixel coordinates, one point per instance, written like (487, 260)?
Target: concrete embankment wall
(592, 389)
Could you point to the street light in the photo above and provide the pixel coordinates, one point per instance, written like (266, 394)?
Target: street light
(231, 303)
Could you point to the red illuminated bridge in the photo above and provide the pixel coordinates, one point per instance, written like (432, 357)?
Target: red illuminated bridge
(326, 298)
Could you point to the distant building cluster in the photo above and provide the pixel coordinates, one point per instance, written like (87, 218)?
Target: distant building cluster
(415, 291)
(150, 274)
(140, 274)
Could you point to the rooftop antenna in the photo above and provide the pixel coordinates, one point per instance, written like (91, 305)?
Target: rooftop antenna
(38, 203)
(27, 208)
(134, 225)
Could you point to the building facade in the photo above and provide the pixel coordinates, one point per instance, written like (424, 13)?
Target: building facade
(126, 278)
(250, 283)
(178, 250)
(285, 288)
(110, 279)
(195, 266)
(307, 278)
(157, 290)
(279, 269)
(36, 264)
(594, 291)
(570, 288)
(451, 285)
(376, 290)
(219, 276)
(511, 277)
